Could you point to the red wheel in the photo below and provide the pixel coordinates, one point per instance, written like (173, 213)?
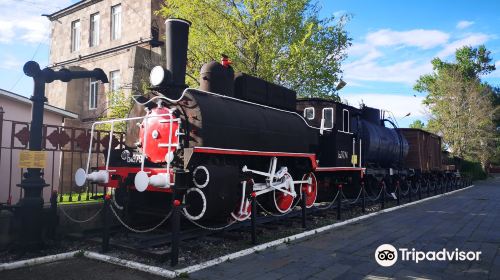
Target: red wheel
(283, 201)
(311, 190)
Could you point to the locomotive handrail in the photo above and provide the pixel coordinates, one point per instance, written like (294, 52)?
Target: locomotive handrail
(102, 176)
(174, 101)
(111, 133)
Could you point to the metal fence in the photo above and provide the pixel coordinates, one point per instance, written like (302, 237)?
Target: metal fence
(66, 150)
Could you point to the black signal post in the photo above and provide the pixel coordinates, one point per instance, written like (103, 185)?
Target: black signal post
(30, 207)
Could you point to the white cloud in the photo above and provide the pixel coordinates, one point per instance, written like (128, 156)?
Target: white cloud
(23, 21)
(339, 13)
(366, 65)
(366, 51)
(399, 105)
(36, 29)
(403, 72)
(10, 62)
(420, 38)
(496, 73)
(471, 40)
(464, 24)
(6, 31)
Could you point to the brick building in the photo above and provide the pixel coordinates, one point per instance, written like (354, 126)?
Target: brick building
(122, 37)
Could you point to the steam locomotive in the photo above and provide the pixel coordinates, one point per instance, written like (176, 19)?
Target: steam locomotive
(236, 135)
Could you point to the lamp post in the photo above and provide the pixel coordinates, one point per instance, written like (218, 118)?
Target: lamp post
(30, 207)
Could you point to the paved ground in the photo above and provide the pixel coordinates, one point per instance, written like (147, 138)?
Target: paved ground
(76, 269)
(467, 220)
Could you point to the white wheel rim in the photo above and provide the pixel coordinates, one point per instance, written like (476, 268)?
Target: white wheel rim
(204, 208)
(201, 168)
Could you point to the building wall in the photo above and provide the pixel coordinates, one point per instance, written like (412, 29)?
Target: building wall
(74, 95)
(136, 18)
(9, 159)
(131, 54)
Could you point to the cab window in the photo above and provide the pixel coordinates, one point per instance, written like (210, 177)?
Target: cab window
(309, 113)
(345, 124)
(328, 117)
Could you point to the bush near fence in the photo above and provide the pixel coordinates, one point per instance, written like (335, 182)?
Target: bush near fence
(473, 170)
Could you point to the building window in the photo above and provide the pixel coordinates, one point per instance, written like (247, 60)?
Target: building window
(116, 22)
(114, 80)
(114, 86)
(94, 89)
(328, 118)
(345, 124)
(94, 30)
(75, 35)
(309, 113)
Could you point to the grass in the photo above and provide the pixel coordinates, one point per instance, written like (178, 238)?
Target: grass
(83, 198)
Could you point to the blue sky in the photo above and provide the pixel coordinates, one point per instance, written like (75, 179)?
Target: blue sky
(393, 44)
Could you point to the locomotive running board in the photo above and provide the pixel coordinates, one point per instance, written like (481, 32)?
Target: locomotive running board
(188, 153)
(362, 170)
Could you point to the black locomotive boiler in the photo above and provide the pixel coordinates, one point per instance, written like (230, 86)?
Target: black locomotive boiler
(239, 135)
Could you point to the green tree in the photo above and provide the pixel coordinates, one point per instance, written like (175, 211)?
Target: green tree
(462, 107)
(417, 124)
(285, 41)
(119, 105)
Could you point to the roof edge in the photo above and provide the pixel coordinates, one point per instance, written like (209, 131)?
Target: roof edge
(72, 8)
(51, 108)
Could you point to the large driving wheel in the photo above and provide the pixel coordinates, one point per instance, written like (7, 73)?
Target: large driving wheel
(283, 201)
(309, 192)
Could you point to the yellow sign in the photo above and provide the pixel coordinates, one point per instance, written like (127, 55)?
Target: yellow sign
(354, 159)
(32, 159)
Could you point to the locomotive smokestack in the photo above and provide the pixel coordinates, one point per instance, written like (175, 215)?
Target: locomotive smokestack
(177, 31)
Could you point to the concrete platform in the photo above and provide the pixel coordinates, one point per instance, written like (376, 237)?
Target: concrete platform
(467, 220)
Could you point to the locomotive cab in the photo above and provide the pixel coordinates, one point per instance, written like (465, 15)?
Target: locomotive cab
(339, 144)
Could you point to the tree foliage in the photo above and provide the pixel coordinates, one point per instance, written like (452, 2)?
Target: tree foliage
(285, 41)
(417, 124)
(463, 108)
(119, 105)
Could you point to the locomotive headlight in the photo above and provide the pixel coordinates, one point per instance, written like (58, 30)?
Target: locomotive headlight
(158, 76)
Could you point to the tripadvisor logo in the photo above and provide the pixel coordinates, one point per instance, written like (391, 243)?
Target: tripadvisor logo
(387, 255)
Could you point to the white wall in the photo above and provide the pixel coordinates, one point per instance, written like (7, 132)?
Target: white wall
(21, 112)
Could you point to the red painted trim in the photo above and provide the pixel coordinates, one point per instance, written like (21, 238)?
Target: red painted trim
(208, 150)
(123, 171)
